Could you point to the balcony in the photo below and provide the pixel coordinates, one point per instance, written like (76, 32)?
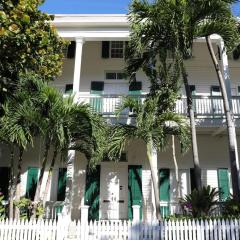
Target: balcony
(205, 107)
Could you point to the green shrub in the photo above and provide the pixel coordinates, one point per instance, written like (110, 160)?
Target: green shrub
(200, 203)
(26, 208)
(231, 208)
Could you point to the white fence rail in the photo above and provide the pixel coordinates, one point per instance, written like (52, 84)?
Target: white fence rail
(121, 230)
(204, 106)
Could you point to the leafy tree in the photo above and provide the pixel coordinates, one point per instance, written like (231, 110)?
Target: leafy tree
(153, 125)
(28, 43)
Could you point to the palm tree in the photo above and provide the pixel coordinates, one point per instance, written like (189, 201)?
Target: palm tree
(202, 19)
(153, 128)
(18, 126)
(152, 42)
(74, 129)
(174, 25)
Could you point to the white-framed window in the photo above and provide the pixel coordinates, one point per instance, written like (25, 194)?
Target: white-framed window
(114, 75)
(117, 49)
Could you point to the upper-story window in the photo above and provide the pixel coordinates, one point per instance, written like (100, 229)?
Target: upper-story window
(114, 75)
(117, 49)
(113, 49)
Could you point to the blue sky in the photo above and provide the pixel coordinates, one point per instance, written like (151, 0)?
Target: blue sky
(95, 6)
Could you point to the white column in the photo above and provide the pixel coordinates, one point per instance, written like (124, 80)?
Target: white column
(155, 165)
(69, 184)
(77, 64)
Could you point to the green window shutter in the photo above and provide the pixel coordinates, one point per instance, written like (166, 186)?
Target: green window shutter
(92, 192)
(62, 181)
(4, 182)
(215, 91)
(164, 191)
(193, 89)
(134, 189)
(32, 179)
(105, 49)
(97, 90)
(71, 50)
(223, 184)
(192, 179)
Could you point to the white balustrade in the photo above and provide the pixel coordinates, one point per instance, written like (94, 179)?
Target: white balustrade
(204, 106)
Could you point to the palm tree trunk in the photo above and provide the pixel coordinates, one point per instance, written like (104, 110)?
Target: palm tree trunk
(197, 169)
(154, 180)
(11, 183)
(175, 165)
(55, 153)
(40, 179)
(17, 186)
(230, 125)
(19, 172)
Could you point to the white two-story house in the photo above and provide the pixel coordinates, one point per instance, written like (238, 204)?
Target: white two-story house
(93, 70)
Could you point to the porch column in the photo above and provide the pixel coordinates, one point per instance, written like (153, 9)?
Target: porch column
(77, 64)
(155, 164)
(69, 184)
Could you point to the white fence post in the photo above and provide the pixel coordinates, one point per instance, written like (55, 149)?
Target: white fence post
(84, 222)
(136, 228)
(136, 213)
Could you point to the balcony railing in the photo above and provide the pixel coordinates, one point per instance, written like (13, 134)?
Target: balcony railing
(204, 106)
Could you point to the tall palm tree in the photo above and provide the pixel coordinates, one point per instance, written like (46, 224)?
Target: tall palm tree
(174, 25)
(202, 19)
(18, 126)
(152, 43)
(152, 128)
(75, 129)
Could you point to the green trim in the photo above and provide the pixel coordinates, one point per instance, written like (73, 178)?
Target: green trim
(164, 189)
(134, 189)
(32, 179)
(92, 192)
(223, 184)
(62, 182)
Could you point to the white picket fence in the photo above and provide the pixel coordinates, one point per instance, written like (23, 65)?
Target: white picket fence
(121, 230)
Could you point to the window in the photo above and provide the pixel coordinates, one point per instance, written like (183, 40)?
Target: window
(117, 49)
(115, 76)
(69, 88)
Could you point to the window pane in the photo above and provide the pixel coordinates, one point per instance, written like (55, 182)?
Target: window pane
(111, 75)
(120, 76)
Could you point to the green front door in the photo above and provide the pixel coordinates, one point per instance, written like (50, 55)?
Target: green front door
(92, 192)
(134, 189)
(223, 184)
(62, 181)
(164, 191)
(32, 179)
(4, 182)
